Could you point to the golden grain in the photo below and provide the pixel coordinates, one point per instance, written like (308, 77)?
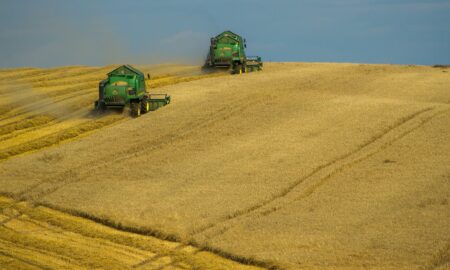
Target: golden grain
(315, 166)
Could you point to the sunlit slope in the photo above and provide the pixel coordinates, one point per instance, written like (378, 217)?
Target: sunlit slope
(43, 107)
(321, 166)
(41, 238)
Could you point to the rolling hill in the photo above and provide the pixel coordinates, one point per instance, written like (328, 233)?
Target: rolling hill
(303, 165)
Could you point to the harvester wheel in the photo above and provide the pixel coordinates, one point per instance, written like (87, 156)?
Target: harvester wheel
(237, 69)
(145, 106)
(135, 109)
(100, 107)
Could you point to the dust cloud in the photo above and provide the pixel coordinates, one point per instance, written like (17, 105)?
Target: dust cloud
(23, 98)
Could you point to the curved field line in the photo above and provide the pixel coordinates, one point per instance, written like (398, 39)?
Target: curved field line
(27, 262)
(343, 162)
(158, 256)
(60, 136)
(189, 129)
(9, 219)
(54, 254)
(131, 246)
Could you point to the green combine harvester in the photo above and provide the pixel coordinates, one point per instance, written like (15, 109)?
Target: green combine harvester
(125, 86)
(227, 50)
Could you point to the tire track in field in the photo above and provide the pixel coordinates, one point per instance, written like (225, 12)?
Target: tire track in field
(71, 237)
(3, 223)
(14, 247)
(377, 149)
(322, 173)
(105, 244)
(159, 256)
(59, 240)
(25, 248)
(60, 136)
(71, 176)
(27, 262)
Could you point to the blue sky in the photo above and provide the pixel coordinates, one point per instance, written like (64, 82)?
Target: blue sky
(52, 33)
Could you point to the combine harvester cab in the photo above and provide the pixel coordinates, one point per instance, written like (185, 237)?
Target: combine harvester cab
(227, 50)
(125, 86)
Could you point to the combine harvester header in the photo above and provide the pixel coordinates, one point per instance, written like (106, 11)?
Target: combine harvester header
(125, 86)
(228, 50)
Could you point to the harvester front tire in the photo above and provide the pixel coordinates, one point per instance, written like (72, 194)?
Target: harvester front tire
(100, 107)
(237, 69)
(135, 109)
(145, 106)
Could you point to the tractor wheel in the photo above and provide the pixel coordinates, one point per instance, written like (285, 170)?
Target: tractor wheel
(145, 106)
(237, 69)
(100, 107)
(231, 69)
(135, 109)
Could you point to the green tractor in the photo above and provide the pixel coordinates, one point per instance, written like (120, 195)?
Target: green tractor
(227, 50)
(125, 86)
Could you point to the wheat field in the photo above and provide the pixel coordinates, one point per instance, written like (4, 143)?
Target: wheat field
(301, 166)
(43, 107)
(41, 238)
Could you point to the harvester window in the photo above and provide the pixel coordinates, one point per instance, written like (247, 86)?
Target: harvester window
(120, 83)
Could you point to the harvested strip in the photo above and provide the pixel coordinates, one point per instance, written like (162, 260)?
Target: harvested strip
(26, 123)
(59, 136)
(43, 238)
